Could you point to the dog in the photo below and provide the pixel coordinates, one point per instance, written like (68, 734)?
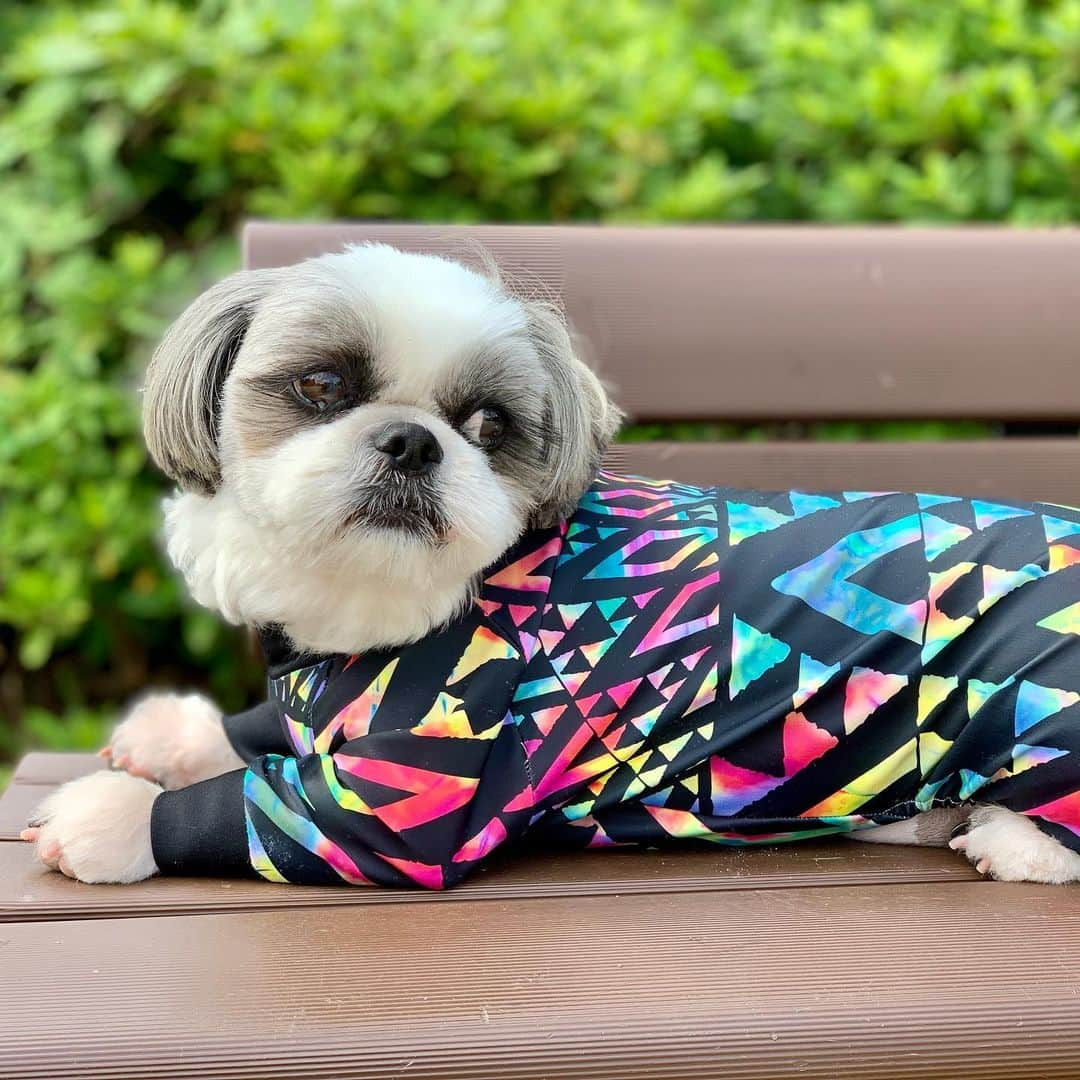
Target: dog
(390, 465)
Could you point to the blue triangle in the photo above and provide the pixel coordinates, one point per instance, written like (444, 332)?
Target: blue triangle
(610, 606)
(1058, 528)
(810, 504)
(988, 513)
(971, 781)
(813, 675)
(1035, 703)
(940, 535)
(926, 501)
(925, 797)
(752, 654)
(745, 521)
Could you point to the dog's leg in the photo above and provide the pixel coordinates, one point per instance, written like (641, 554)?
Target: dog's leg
(931, 828)
(1011, 847)
(174, 740)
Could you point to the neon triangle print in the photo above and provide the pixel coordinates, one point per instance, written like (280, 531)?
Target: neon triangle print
(752, 654)
(823, 583)
(988, 513)
(1036, 703)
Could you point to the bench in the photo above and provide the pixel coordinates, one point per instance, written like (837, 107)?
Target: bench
(810, 960)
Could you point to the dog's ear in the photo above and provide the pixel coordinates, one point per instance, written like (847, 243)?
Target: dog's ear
(185, 377)
(580, 418)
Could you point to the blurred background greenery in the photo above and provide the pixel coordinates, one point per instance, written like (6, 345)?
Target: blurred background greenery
(135, 136)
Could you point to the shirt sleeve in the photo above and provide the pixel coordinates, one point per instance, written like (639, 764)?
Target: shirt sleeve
(419, 794)
(391, 808)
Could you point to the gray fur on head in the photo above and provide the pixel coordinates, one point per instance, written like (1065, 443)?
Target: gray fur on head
(583, 420)
(186, 376)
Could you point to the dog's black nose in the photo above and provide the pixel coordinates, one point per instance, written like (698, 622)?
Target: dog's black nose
(411, 448)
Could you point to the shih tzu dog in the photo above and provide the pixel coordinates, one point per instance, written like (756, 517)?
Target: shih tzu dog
(389, 465)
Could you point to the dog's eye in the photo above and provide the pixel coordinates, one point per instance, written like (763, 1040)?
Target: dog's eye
(486, 427)
(320, 389)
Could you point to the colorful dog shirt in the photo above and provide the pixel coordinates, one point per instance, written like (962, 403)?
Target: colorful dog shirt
(674, 662)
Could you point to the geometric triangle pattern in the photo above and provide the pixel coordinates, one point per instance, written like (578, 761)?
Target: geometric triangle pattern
(677, 662)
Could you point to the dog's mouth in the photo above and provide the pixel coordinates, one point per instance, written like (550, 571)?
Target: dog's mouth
(407, 510)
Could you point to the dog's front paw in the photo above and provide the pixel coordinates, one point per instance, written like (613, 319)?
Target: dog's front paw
(97, 828)
(1011, 847)
(174, 739)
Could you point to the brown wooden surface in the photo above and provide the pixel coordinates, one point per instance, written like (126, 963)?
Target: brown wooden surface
(894, 982)
(1037, 469)
(39, 767)
(765, 322)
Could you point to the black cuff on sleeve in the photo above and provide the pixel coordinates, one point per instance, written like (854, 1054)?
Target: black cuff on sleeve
(200, 830)
(256, 731)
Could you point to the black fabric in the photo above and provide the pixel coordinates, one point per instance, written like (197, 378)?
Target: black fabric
(256, 731)
(200, 829)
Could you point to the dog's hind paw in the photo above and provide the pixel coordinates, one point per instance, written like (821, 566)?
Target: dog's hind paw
(1011, 847)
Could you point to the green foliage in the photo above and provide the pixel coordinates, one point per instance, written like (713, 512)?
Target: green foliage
(135, 134)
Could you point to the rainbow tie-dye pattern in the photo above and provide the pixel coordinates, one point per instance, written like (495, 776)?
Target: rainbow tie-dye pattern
(682, 663)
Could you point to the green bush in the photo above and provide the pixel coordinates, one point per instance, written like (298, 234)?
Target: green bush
(135, 134)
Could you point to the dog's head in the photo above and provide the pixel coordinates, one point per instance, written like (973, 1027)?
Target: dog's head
(361, 429)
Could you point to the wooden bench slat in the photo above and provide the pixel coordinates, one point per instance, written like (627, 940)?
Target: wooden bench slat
(51, 767)
(1045, 470)
(814, 983)
(776, 322)
(28, 892)
(17, 801)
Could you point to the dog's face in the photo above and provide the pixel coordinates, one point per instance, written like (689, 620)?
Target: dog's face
(364, 429)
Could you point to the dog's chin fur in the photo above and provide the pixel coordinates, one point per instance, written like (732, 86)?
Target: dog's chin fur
(368, 589)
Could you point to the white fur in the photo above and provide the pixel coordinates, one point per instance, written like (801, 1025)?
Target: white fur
(97, 828)
(1011, 847)
(175, 740)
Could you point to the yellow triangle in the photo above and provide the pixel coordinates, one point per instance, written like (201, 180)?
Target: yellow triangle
(932, 748)
(933, 690)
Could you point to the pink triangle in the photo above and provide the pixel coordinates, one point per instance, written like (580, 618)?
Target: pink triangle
(643, 598)
(545, 718)
(488, 607)
(550, 639)
(690, 662)
(611, 740)
(657, 677)
(528, 644)
(532, 745)
(621, 694)
(668, 692)
(804, 742)
(600, 724)
(586, 703)
(523, 800)
(520, 612)
(570, 613)
(573, 682)
(866, 691)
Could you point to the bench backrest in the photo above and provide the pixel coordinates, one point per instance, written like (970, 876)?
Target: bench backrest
(803, 323)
